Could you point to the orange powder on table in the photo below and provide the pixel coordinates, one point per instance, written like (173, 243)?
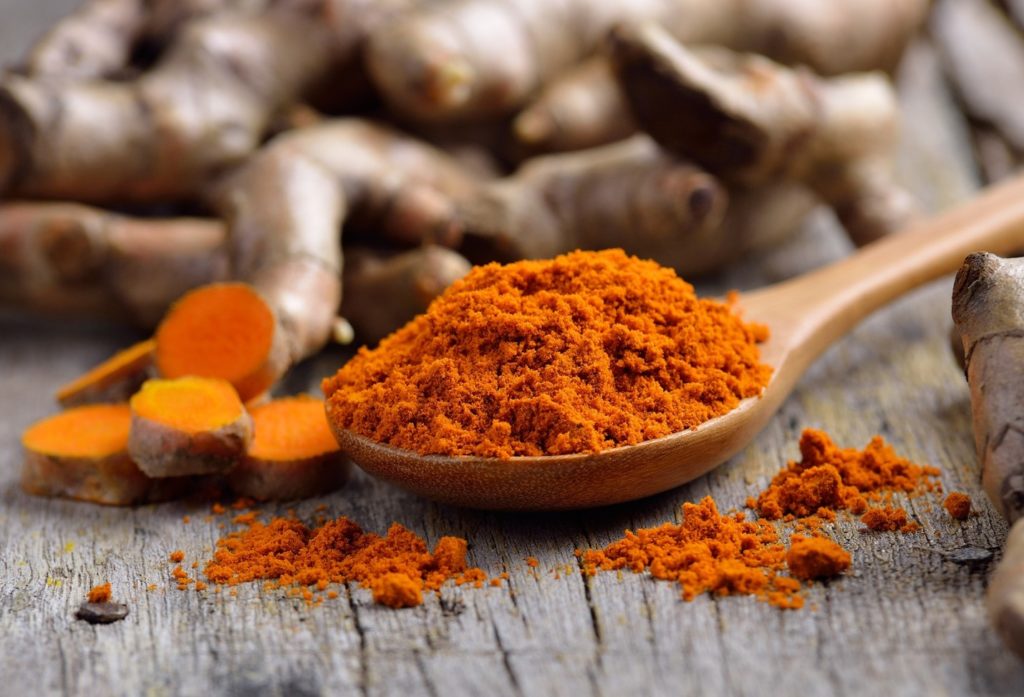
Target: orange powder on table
(100, 594)
(585, 352)
(958, 505)
(397, 567)
(816, 557)
(707, 553)
(828, 478)
(888, 519)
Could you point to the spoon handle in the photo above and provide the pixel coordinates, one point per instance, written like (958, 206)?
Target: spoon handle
(817, 308)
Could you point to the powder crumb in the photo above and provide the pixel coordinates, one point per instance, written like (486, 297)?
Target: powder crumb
(151, 587)
(707, 553)
(332, 594)
(100, 593)
(217, 508)
(888, 519)
(177, 556)
(245, 518)
(195, 565)
(532, 562)
(200, 586)
(286, 553)
(958, 505)
(812, 558)
(242, 503)
(186, 519)
(397, 590)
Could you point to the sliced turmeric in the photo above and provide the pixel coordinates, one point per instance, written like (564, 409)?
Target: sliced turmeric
(293, 453)
(82, 453)
(114, 380)
(223, 330)
(188, 426)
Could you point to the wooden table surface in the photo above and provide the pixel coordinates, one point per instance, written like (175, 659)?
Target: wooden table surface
(908, 619)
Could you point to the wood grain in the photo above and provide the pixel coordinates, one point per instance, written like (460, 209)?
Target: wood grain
(908, 620)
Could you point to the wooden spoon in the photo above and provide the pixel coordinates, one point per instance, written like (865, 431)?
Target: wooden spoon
(805, 314)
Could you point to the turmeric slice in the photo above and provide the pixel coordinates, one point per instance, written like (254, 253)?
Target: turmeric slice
(191, 425)
(223, 330)
(293, 453)
(82, 454)
(114, 380)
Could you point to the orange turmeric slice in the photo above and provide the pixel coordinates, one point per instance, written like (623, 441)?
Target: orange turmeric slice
(82, 454)
(222, 330)
(114, 380)
(293, 453)
(190, 425)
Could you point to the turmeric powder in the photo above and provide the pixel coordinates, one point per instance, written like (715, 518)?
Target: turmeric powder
(829, 478)
(816, 557)
(100, 593)
(958, 505)
(397, 567)
(585, 352)
(708, 552)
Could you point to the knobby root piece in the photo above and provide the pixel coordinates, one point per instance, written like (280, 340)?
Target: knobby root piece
(752, 121)
(94, 41)
(114, 380)
(82, 454)
(203, 109)
(628, 195)
(468, 58)
(78, 261)
(287, 206)
(226, 331)
(382, 292)
(293, 454)
(582, 109)
(188, 426)
(988, 309)
(983, 54)
(1005, 599)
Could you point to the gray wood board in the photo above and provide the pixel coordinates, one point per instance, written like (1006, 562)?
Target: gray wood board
(907, 620)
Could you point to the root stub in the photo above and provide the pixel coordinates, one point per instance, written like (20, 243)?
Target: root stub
(188, 426)
(293, 453)
(226, 331)
(82, 454)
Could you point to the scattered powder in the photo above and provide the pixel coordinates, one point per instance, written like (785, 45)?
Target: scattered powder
(829, 478)
(100, 594)
(958, 505)
(177, 556)
(707, 553)
(532, 562)
(816, 558)
(888, 519)
(397, 567)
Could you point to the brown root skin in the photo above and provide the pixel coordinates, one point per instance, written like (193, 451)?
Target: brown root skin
(113, 480)
(988, 310)
(287, 206)
(94, 41)
(383, 292)
(584, 108)
(752, 121)
(163, 448)
(72, 260)
(629, 195)
(1005, 598)
(272, 480)
(114, 380)
(470, 58)
(203, 109)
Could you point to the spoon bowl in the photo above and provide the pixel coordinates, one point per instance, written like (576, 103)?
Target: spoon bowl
(805, 315)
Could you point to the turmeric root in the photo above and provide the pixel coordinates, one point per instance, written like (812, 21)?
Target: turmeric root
(286, 208)
(186, 426)
(583, 108)
(382, 293)
(988, 310)
(114, 380)
(468, 58)
(226, 331)
(74, 260)
(630, 195)
(293, 453)
(751, 121)
(82, 453)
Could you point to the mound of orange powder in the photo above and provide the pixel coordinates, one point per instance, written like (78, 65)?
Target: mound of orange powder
(581, 353)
